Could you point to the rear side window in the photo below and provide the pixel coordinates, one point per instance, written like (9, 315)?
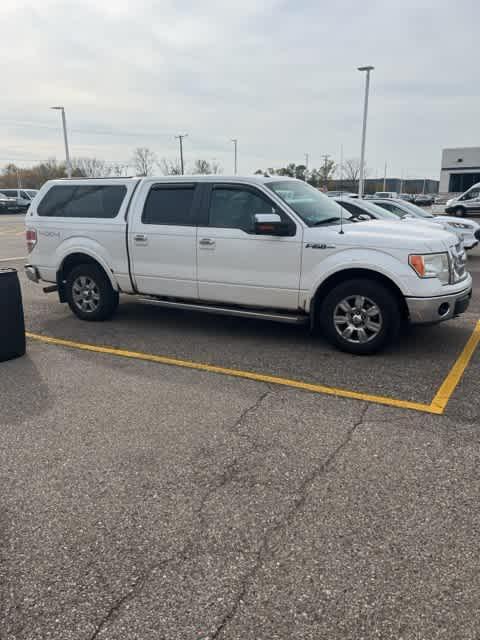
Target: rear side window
(92, 201)
(9, 193)
(172, 205)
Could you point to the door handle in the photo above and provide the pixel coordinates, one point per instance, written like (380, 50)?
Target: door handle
(140, 238)
(207, 242)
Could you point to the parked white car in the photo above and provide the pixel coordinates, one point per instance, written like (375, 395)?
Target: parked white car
(468, 231)
(255, 247)
(467, 204)
(385, 194)
(20, 198)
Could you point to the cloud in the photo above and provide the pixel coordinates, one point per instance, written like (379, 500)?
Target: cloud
(278, 75)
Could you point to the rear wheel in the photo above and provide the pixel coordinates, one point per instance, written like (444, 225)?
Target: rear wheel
(360, 316)
(89, 293)
(460, 212)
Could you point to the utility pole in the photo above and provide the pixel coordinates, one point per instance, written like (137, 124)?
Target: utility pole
(19, 180)
(65, 138)
(235, 165)
(180, 138)
(307, 158)
(325, 157)
(341, 167)
(368, 69)
(385, 177)
(424, 185)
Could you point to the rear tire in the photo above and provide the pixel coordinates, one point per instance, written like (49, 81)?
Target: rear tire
(460, 212)
(89, 293)
(360, 316)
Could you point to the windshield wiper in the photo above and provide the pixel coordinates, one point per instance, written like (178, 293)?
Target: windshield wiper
(326, 221)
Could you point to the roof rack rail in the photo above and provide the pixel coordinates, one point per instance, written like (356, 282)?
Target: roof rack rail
(99, 178)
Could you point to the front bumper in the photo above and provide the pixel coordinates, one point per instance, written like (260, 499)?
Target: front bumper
(439, 308)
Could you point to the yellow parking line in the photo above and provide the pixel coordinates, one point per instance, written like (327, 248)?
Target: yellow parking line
(437, 406)
(238, 373)
(455, 374)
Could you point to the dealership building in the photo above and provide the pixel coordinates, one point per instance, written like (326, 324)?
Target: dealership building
(460, 169)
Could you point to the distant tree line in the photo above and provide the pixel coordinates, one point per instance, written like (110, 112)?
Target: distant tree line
(320, 177)
(144, 163)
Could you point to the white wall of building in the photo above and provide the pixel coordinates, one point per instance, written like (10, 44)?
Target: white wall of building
(458, 161)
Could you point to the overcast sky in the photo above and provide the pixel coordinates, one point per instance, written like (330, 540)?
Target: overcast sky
(279, 75)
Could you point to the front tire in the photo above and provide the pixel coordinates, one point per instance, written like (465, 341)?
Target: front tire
(89, 293)
(360, 316)
(460, 212)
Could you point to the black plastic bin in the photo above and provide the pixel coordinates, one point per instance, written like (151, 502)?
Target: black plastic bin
(12, 324)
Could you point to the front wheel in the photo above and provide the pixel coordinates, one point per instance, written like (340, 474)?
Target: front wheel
(360, 316)
(89, 293)
(460, 212)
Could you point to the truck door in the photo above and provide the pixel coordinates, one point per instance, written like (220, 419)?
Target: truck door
(162, 240)
(235, 265)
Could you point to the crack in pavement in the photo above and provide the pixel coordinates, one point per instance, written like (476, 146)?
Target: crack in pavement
(139, 583)
(297, 504)
(232, 468)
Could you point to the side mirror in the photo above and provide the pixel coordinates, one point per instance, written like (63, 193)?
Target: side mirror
(363, 216)
(270, 224)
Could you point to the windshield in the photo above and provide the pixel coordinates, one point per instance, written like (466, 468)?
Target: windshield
(418, 212)
(375, 210)
(313, 207)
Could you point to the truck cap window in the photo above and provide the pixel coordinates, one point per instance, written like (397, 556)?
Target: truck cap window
(170, 205)
(82, 201)
(313, 207)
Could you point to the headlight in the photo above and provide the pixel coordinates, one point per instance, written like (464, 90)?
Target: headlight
(459, 225)
(431, 265)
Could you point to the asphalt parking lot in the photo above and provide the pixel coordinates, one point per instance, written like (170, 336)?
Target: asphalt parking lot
(144, 500)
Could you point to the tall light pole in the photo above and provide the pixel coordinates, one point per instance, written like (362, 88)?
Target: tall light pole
(307, 157)
(385, 177)
(368, 69)
(180, 138)
(65, 137)
(235, 165)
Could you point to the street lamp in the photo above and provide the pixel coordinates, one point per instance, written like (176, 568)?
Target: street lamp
(364, 129)
(235, 144)
(65, 137)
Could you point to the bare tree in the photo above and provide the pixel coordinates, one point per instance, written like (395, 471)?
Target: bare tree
(169, 168)
(351, 169)
(144, 160)
(118, 170)
(216, 167)
(90, 167)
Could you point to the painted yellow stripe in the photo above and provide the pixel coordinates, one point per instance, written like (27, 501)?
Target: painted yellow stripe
(238, 373)
(450, 383)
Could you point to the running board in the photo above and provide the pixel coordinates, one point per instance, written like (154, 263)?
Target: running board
(228, 311)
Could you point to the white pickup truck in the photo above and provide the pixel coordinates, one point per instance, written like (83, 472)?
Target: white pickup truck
(256, 247)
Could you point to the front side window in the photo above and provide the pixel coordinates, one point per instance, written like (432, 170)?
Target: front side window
(92, 201)
(169, 205)
(235, 208)
(313, 207)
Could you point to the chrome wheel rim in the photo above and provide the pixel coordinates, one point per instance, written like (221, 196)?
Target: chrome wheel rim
(85, 293)
(357, 319)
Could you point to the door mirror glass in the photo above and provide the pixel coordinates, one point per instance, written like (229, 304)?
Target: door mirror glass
(270, 224)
